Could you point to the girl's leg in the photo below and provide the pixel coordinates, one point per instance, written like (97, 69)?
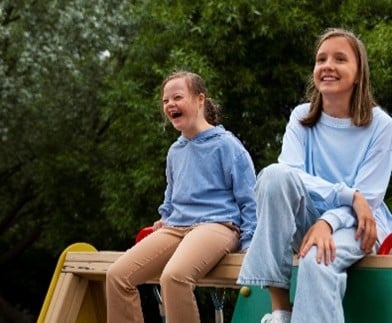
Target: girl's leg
(199, 251)
(320, 288)
(143, 261)
(280, 299)
(284, 213)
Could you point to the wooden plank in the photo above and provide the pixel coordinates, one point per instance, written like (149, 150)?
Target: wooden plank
(222, 270)
(375, 261)
(99, 299)
(112, 256)
(55, 298)
(67, 299)
(78, 295)
(81, 282)
(98, 260)
(233, 259)
(101, 256)
(93, 308)
(370, 261)
(94, 265)
(99, 268)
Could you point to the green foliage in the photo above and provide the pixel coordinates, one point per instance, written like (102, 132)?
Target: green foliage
(83, 141)
(379, 42)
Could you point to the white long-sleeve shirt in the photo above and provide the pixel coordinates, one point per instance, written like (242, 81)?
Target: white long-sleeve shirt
(335, 158)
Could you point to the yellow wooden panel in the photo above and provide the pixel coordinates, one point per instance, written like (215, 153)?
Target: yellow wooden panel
(79, 246)
(93, 308)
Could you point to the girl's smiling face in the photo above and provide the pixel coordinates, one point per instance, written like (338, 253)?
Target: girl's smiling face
(336, 69)
(184, 109)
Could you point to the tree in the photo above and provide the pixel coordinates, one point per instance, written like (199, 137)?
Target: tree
(54, 57)
(83, 140)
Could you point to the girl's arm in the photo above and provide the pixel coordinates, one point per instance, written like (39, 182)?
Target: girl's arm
(166, 208)
(371, 179)
(244, 181)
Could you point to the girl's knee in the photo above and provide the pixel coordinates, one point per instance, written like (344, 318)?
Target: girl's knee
(170, 276)
(113, 272)
(118, 273)
(274, 177)
(309, 266)
(275, 170)
(309, 261)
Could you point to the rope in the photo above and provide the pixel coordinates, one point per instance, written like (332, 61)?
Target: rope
(158, 297)
(218, 304)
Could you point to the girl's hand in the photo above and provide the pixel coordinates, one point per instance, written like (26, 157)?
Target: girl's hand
(319, 234)
(366, 224)
(158, 224)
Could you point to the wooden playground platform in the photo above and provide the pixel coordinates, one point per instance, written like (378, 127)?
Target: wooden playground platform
(76, 293)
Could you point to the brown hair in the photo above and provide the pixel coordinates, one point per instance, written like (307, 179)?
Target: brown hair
(196, 86)
(362, 101)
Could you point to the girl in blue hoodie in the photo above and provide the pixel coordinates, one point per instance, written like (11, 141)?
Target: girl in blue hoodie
(208, 209)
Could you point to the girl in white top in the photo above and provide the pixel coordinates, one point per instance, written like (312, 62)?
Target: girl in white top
(330, 182)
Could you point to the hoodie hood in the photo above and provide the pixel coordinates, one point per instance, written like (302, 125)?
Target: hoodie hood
(202, 136)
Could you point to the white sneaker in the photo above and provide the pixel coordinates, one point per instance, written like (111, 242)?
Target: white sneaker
(277, 317)
(268, 318)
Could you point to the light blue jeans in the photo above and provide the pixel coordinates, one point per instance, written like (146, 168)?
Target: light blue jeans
(285, 212)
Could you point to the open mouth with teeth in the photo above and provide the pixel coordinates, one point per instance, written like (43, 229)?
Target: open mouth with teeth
(175, 114)
(329, 78)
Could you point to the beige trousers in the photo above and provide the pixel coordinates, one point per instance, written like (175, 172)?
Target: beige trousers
(183, 255)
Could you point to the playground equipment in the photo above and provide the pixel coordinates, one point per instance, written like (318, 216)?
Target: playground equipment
(76, 292)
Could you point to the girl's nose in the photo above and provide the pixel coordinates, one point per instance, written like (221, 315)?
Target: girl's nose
(170, 103)
(328, 64)
(167, 103)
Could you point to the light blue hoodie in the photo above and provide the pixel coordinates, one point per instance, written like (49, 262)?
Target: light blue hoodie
(210, 178)
(335, 158)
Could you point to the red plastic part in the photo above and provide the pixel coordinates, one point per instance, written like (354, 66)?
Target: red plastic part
(386, 246)
(143, 233)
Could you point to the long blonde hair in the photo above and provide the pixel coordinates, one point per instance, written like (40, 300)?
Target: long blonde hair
(362, 101)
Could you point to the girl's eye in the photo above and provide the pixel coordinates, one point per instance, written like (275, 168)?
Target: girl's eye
(320, 58)
(165, 101)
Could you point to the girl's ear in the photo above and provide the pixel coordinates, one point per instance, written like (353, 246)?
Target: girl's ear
(201, 98)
